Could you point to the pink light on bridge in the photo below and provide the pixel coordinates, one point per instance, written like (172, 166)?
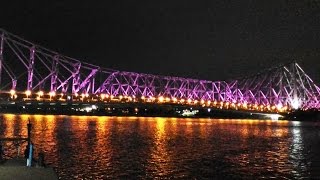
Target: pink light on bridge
(62, 74)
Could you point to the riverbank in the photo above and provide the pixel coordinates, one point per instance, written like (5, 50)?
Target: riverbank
(150, 110)
(303, 115)
(16, 169)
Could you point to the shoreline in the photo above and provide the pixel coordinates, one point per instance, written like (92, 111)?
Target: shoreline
(214, 114)
(151, 110)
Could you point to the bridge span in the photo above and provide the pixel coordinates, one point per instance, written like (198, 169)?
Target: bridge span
(31, 73)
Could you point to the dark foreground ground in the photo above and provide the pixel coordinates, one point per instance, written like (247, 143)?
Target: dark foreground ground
(16, 169)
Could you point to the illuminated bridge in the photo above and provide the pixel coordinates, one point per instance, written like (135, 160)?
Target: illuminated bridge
(29, 72)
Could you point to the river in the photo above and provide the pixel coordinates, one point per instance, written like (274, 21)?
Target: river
(91, 147)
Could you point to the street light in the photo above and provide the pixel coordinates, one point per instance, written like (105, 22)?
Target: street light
(202, 101)
(40, 93)
(12, 93)
(28, 93)
(174, 99)
(160, 99)
(102, 96)
(52, 94)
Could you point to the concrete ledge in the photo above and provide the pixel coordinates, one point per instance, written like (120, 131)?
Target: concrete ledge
(16, 169)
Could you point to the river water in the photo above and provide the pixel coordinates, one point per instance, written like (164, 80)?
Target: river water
(89, 147)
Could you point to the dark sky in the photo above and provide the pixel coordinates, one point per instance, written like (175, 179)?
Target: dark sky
(213, 40)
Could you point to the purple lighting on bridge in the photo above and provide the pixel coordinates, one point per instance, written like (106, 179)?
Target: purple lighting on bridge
(48, 71)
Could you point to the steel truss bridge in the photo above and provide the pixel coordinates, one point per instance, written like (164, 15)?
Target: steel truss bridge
(30, 71)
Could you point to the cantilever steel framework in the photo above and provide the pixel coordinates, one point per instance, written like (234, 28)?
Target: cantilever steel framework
(286, 85)
(27, 66)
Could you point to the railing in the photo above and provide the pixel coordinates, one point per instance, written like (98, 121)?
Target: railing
(17, 142)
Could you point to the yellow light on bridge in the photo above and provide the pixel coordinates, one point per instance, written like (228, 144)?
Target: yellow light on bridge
(12, 92)
(268, 107)
(279, 106)
(189, 100)
(167, 99)
(40, 93)
(182, 100)
(160, 99)
(61, 96)
(143, 98)
(102, 96)
(174, 99)
(202, 101)
(208, 102)
(52, 93)
(28, 93)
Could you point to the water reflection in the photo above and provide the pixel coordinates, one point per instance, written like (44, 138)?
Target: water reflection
(297, 152)
(89, 147)
(159, 162)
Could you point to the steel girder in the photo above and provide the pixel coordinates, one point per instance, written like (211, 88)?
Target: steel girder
(27, 66)
(50, 71)
(286, 85)
(138, 84)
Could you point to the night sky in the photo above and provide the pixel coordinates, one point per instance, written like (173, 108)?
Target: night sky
(213, 40)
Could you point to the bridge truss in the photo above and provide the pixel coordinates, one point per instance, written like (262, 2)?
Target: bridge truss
(28, 69)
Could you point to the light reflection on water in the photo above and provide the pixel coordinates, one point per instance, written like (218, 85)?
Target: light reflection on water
(144, 147)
